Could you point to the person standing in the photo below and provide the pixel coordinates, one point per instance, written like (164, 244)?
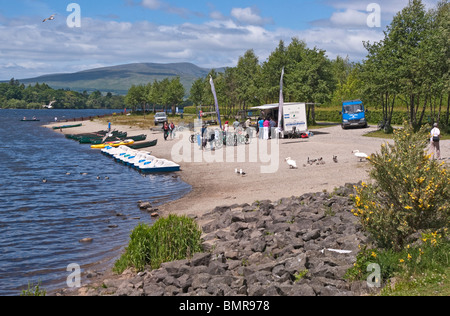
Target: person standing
(236, 124)
(261, 128)
(273, 124)
(166, 130)
(172, 130)
(435, 139)
(266, 125)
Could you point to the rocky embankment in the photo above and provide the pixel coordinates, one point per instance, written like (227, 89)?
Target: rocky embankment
(298, 246)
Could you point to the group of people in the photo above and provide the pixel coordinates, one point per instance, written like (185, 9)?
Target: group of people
(168, 130)
(266, 128)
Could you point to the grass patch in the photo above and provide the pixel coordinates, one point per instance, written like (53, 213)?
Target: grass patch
(169, 239)
(420, 270)
(382, 134)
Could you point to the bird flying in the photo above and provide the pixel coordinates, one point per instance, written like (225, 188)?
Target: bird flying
(51, 17)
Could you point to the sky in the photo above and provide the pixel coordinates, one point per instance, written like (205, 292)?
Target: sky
(208, 33)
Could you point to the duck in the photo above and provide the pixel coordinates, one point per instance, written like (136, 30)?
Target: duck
(44, 180)
(360, 155)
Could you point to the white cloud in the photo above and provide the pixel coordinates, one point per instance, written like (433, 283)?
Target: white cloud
(249, 16)
(151, 4)
(32, 48)
(349, 18)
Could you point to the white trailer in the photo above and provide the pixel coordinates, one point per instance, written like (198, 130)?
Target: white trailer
(294, 117)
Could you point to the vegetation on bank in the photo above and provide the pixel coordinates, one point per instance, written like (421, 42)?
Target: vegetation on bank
(16, 95)
(168, 239)
(406, 212)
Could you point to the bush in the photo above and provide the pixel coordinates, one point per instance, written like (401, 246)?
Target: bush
(410, 192)
(431, 254)
(169, 239)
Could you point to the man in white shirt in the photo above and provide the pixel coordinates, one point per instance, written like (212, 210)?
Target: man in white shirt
(435, 138)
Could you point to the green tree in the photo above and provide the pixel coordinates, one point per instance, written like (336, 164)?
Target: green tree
(175, 93)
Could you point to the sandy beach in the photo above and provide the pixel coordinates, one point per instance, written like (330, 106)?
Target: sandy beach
(267, 175)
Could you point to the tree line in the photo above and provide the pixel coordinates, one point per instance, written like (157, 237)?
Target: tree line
(14, 94)
(159, 94)
(408, 69)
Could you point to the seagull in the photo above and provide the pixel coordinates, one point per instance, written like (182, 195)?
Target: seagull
(335, 159)
(51, 17)
(44, 180)
(360, 155)
(50, 105)
(292, 164)
(242, 172)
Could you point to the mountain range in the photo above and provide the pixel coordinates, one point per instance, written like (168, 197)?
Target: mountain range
(118, 79)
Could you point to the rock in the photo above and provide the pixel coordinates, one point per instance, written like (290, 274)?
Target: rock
(86, 240)
(261, 249)
(311, 235)
(144, 205)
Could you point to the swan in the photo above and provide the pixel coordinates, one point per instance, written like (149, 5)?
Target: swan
(360, 155)
(292, 163)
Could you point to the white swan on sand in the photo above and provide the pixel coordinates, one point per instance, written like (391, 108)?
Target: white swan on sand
(292, 163)
(360, 155)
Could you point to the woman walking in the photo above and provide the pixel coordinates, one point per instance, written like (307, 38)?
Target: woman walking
(435, 138)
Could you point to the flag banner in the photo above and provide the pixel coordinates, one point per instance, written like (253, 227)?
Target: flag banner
(280, 110)
(211, 81)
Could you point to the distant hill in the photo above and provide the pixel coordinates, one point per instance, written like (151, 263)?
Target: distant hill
(118, 79)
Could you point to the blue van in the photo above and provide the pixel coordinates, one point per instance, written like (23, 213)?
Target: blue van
(353, 114)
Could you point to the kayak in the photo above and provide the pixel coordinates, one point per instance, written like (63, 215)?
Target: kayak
(67, 126)
(144, 144)
(114, 144)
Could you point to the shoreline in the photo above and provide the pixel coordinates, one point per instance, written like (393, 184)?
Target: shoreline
(216, 184)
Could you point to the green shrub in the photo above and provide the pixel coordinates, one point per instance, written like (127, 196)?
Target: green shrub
(169, 239)
(34, 290)
(410, 192)
(431, 254)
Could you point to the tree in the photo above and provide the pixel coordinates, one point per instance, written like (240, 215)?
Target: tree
(175, 93)
(197, 92)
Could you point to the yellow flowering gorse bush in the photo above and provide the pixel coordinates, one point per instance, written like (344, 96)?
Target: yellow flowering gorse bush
(411, 192)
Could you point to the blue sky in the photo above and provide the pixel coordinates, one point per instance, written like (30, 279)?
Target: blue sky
(208, 33)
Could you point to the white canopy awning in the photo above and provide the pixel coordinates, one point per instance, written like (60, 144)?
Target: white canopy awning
(272, 106)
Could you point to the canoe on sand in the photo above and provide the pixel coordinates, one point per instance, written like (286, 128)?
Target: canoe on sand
(114, 144)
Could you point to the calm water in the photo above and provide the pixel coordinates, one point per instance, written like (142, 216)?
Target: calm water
(41, 223)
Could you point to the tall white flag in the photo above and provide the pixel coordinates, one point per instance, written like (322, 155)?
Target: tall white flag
(211, 81)
(280, 109)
